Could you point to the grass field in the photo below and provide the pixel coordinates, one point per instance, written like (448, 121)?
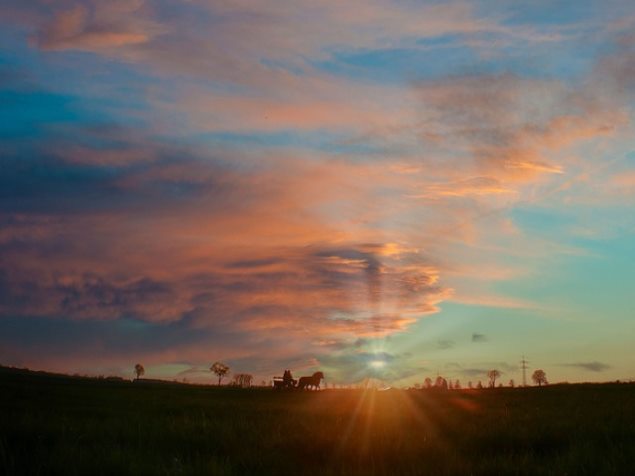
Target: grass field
(68, 426)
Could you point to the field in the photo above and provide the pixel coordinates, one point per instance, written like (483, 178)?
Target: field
(69, 426)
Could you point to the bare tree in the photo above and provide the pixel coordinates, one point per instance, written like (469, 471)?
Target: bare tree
(220, 369)
(539, 377)
(512, 384)
(457, 384)
(479, 384)
(139, 371)
(493, 375)
(427, 382)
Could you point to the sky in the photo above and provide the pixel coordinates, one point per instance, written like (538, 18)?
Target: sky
(375, 189)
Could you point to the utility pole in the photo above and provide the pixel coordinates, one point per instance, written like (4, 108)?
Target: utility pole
(523, 365)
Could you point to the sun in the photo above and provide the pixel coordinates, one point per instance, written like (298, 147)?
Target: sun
(377, 364)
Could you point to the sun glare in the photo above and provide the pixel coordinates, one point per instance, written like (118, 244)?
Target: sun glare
(377, 364)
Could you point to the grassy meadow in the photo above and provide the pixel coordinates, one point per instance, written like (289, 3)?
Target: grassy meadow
(72, 426)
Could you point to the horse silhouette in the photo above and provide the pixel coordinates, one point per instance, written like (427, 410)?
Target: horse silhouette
(311, 382)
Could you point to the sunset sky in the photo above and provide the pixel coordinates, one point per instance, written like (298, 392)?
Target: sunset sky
(439, 186)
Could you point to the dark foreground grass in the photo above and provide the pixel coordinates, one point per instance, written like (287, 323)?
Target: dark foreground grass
(66, 426)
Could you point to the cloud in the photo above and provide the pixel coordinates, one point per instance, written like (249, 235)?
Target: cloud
(97, 25)
(259, 192)
(508, 128)
(255, 67)
(590, 366)
(474, 372)
(481, 369)
(260, 30)
(445, 344)
(269, 244)
(624, 181)
(90, 296)
(473, 186)
(484, 300)
(476, 337)
(243, 251)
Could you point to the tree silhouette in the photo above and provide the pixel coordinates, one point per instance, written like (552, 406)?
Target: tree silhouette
(512, 384)
(440, 382)
(493, 375)
(427, 382)
(539, 377)
(242, 380)
(479, 384)
(220, 369)
(457, 384)
(139, 371)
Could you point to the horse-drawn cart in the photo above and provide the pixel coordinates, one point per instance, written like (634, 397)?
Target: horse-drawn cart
(284, 382)
(280, 384)
(288, 382)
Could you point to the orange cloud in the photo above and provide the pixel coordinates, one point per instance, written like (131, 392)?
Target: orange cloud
(473, 186)
(625, 180)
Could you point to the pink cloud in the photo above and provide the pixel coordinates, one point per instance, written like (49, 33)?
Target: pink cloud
(252, 252)
(96, 25)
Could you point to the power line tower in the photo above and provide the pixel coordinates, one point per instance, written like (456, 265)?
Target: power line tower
(523, 365)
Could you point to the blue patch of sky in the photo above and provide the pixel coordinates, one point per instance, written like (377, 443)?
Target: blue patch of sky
(507, 332)
(66, 86)
(578, 226)
(399, 65)
(541, 221)
(24, 114)
(448, 57)
(584, 287)
(555, 12)
(595, 279)
(580, 25)
(31, 116)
